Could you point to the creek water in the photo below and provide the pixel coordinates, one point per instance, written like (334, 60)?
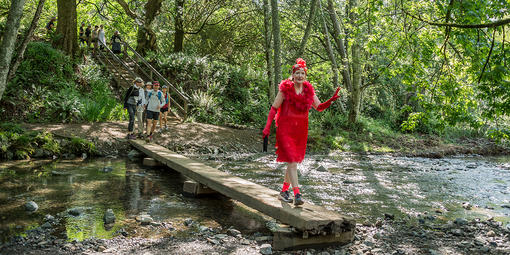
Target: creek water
(363, 186)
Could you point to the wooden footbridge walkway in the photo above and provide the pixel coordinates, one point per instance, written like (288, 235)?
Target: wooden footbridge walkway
(313, 225)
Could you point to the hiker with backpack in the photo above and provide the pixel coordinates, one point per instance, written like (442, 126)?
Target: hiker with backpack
(133, 102)
(164, 109)
(155, 100)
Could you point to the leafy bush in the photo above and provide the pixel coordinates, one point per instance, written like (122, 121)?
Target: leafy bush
(220, 93)
(46, 88)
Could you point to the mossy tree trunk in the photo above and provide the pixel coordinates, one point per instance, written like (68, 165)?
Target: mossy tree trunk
(146, 38)
(67, 27)
(9, 40)
(268, 51)
(276, 42)
(179, 28)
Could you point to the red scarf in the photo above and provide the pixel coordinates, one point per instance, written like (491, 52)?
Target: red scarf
(303, 101)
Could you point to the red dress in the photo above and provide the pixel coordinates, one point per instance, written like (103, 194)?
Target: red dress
(292, 122)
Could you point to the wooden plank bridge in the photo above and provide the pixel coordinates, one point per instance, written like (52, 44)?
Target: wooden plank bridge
(313, 225)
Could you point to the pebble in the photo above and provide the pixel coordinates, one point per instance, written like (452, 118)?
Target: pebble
(213, 241)
(109, 217)
(389, 216)
(233, 232)
(220, 236)
(49, 217)
(491, 234)
(457, 232)
(460, 221)
(467, 206)
(245, 242)
(31, 206)
(263, 238)
(75, 211)
(266, 249)
(46, 225)
(321, 169)
(145, 219)
(188, 222)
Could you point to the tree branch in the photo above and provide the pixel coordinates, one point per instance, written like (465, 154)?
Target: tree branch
(128, 11)
(488, 56)
(483, 25)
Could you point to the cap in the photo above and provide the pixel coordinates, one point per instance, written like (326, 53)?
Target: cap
(155, 82)
(164, 87)
(148, 83)
(138, 79)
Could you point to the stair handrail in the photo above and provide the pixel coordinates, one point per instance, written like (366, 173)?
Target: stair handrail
(110, 62)
(179, 93)
(118, 59)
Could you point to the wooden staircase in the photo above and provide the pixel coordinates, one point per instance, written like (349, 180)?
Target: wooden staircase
(130, 64)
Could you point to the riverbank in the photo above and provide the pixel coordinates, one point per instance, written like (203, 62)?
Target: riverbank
(199, 138)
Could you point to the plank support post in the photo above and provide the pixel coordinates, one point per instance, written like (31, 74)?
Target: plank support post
(193, 189)
(287, 238)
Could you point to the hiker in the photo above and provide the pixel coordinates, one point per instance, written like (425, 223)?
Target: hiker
(116, 42)
(102, 38)
(294, 99)
(88, 31)
(83, 40)
(165, 108)
(132, 100)
(155, 100)
(148, 87)
(94, 38)
(50, 25)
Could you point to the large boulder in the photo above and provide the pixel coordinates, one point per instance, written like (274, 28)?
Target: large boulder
(109, 217)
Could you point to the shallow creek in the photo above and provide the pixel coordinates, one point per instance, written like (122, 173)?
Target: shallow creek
(363, 186)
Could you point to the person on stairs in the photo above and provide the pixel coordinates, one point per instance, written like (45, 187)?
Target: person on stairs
(164, 109)
(294, 99)
(134, 99)
(155, 100)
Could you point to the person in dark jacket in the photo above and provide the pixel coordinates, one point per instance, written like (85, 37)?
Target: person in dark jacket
(132, 99)
(116, 42)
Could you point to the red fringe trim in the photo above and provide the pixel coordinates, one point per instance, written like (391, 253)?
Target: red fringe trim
(302, 102)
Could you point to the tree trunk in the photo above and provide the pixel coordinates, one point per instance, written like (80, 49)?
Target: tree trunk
(329, 49)
(309, 25)
(341, 49)
(8, 41)
(267, 46)
(67, 27)
(276, 40)
(179, 29)
(26, 40)
(146, 38)
(356, 70)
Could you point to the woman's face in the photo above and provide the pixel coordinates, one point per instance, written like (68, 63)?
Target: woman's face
(299, 76)
(164, 90)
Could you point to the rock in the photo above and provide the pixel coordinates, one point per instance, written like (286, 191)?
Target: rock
(506, 206)
(145, 219)
(491, 234)
(460, 221)
(466, 206)
(321, 169)
(204, 229)
(9, 155)
(457, 232)
(233, 232)
(213, 241)
(324, 253)
(245, 241)
(101, 248)
(472, 165)
(155, 224)
(109, 217)
(266, 249)
(389, 216)
(48, 217)
(220, 236)
(31, 206)
(339, 252)
(84, 156)
(188, 222)
(434, 252)
(377, 236)
(75, 211)
(46, 225)
(134, 154)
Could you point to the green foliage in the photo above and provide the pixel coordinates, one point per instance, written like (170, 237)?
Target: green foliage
(46, 89)
(220, 93)
(79, 145)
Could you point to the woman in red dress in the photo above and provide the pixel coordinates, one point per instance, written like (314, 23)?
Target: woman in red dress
(295, 98)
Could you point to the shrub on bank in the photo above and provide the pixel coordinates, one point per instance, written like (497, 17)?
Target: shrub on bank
(46, 88)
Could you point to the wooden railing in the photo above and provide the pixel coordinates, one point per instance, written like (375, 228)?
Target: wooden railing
(178, 99)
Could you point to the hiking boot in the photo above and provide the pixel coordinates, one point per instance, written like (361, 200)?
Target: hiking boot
(285, 196)
(131, 137)
(298, 200)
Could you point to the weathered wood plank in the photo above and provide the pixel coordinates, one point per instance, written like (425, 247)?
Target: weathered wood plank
(308, 217)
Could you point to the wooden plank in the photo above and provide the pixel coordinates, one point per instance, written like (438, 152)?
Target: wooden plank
(309, 217)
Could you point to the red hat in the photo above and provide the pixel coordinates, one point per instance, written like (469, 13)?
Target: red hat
(300, 63)
(155, 82)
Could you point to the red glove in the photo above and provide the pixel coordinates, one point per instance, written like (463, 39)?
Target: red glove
(270, 118)
(326, 104)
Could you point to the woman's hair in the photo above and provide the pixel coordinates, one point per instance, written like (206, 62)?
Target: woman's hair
(300, 63)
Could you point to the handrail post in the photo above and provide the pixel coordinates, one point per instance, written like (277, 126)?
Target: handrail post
(125, 50)
(185, 109)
